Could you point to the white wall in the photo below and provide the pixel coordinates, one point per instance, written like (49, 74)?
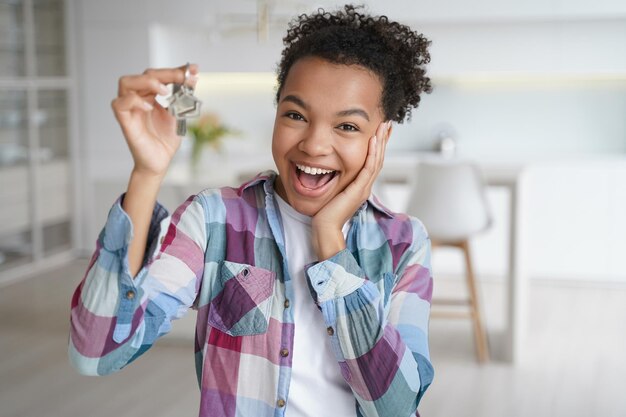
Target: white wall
(528, 79)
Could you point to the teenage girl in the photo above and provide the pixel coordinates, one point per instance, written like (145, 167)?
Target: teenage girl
(312, 298)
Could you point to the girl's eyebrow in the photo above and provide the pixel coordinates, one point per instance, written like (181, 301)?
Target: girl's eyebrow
(295, 100)
(349, 112)
(355, 112)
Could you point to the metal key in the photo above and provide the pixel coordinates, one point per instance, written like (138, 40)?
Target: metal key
(181, 103)
(183, 106)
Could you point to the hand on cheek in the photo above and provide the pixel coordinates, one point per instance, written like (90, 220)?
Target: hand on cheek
(327, 223)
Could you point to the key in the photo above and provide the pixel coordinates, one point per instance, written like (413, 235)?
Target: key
(181, 103)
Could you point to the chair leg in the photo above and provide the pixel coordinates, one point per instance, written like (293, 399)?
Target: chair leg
(480, 335)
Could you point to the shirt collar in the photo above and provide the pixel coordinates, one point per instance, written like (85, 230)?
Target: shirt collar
(268, 178)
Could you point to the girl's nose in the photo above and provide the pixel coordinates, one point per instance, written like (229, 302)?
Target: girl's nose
(317, 141)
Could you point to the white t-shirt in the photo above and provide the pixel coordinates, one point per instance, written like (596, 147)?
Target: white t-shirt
(317, 387)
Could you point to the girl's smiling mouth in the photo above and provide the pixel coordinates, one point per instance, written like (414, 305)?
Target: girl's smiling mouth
(310, 181)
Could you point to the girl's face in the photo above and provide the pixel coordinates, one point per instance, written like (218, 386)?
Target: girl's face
(325, 117)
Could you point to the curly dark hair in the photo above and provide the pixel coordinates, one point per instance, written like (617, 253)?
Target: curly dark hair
(392, 51)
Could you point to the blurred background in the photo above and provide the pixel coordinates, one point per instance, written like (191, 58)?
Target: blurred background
(531, 93)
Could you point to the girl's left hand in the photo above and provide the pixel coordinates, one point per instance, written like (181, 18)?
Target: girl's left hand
(328, 238)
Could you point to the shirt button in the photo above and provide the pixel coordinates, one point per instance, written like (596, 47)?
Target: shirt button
(286, 303)
(130, 294)
(284, 353)
(280, 403)
(330, 331)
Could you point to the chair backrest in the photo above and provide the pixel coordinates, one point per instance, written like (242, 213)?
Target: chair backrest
(449, 197)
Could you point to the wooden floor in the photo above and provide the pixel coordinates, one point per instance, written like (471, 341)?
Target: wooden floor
(574, 362)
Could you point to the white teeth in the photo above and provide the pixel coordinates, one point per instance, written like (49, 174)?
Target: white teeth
(313, 171)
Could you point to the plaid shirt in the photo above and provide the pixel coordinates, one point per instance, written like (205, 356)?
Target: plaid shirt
(222, 253)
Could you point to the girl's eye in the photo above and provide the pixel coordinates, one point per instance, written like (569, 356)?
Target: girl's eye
(348, 127)
(294, 116)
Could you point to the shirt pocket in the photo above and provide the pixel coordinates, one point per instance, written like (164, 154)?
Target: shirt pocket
(243, 305)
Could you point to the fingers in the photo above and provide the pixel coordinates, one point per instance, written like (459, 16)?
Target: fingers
(175, 75)
(386, 132)
(366, 176)
(153, 81)
(140, 84)
(374, 158)
(382, 137)
(130, 102)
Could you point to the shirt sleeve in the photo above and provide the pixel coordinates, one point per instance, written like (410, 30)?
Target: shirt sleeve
(380, 338)
(115, 318)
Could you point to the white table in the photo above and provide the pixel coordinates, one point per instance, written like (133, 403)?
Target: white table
(400, 167)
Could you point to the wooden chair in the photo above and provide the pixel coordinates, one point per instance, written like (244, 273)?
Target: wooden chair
(449, 197)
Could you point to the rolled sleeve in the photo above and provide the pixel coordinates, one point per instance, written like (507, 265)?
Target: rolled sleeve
(116, 237)
(109, 298)
(335, 277)
(118, 230)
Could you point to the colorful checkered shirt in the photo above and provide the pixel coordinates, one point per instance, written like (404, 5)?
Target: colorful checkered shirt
(222, 253)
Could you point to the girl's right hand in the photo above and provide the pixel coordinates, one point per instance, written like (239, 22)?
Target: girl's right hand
(149, 129)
